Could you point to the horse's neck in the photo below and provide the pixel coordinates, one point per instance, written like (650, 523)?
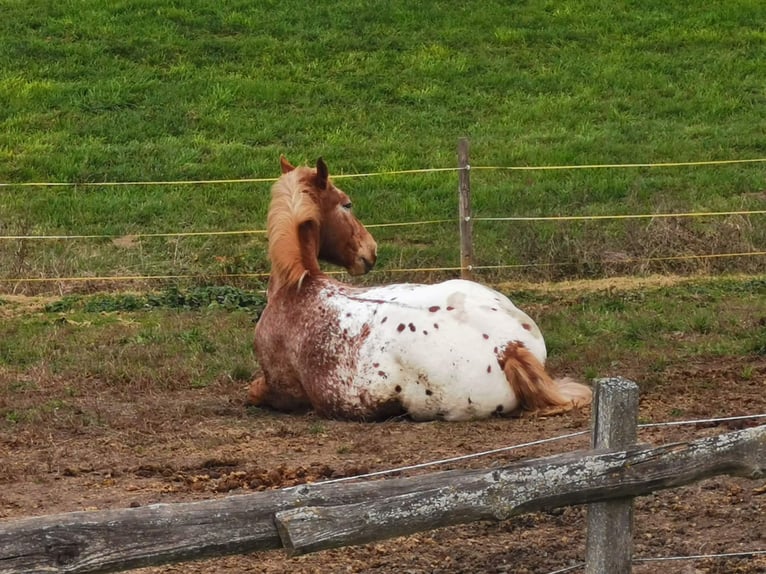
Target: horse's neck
(308, 236)
(294, 257)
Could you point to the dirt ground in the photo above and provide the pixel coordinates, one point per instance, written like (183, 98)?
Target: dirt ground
(203, 443)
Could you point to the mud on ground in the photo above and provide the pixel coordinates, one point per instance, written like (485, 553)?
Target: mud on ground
(204, 443)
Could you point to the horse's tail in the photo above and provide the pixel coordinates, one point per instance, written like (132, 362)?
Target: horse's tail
(536, 390)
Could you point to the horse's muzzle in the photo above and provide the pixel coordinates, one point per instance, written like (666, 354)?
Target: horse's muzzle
(362, 265)
(366, 255)
(368, 264)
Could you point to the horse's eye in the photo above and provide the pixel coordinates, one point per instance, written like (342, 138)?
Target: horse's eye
(347, 205)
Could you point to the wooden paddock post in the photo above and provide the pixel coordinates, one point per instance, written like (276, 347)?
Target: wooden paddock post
(609, 545)
(466, 224)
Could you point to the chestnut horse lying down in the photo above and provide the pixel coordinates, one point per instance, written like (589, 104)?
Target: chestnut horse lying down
(454, 351)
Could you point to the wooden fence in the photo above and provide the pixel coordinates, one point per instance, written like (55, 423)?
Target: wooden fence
(314, 517)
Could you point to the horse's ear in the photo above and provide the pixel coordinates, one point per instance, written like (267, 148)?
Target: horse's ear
(322, 173)
(285, 165)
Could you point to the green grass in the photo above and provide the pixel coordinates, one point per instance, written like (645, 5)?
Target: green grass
(142, 91)
(55, 355)
(172, 297)
(659, 326)
(162, 350)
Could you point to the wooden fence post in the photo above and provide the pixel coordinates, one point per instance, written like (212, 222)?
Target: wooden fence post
(609, 544)
(466, 224)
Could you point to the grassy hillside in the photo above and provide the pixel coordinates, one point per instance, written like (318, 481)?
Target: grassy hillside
(166, 91)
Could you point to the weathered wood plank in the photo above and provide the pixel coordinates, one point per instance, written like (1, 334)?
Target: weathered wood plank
(453, 498)
(115, 540)
(609, 543)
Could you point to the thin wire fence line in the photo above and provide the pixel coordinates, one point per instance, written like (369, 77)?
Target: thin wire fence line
(625, 260)
(410, 223)
(379, 271)
(701, 421)
(452, 459)
(127, 277)
(528, 444)
(622, 216)
(214, 181)
(137, 183)
(568, 568)
(137, 235)
(400, 224)
(619, 165)
(396, 172)
(743, 554)
(148, 277)
(201, 233)
(385, 173)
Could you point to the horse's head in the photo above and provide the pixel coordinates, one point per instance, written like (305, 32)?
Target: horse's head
(343, 240)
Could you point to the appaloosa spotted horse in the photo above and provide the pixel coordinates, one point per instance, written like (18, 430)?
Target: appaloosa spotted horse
(455, 350)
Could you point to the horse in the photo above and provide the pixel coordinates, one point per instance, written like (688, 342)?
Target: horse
(451, 351)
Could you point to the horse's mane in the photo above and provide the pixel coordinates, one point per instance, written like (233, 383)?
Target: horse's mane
(292, 206)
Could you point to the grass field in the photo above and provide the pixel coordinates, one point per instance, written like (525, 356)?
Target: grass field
(117, 392)
(160, 91)
(175, 340)
(116, 401)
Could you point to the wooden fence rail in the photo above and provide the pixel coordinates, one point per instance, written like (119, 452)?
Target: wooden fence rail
(309, 517)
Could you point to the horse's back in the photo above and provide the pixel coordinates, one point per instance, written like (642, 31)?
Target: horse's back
(437, 348)
(450, 313)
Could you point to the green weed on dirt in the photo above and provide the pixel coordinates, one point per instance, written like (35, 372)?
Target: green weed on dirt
(121, 346)
(652, 328)
(215, 296)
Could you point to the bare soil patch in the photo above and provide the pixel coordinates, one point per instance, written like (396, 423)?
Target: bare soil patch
(111, 449)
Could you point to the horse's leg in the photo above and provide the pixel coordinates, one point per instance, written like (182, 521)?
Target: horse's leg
(257, 392)
(286, 397)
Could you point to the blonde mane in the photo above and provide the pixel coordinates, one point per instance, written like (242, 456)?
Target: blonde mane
(291, 206)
